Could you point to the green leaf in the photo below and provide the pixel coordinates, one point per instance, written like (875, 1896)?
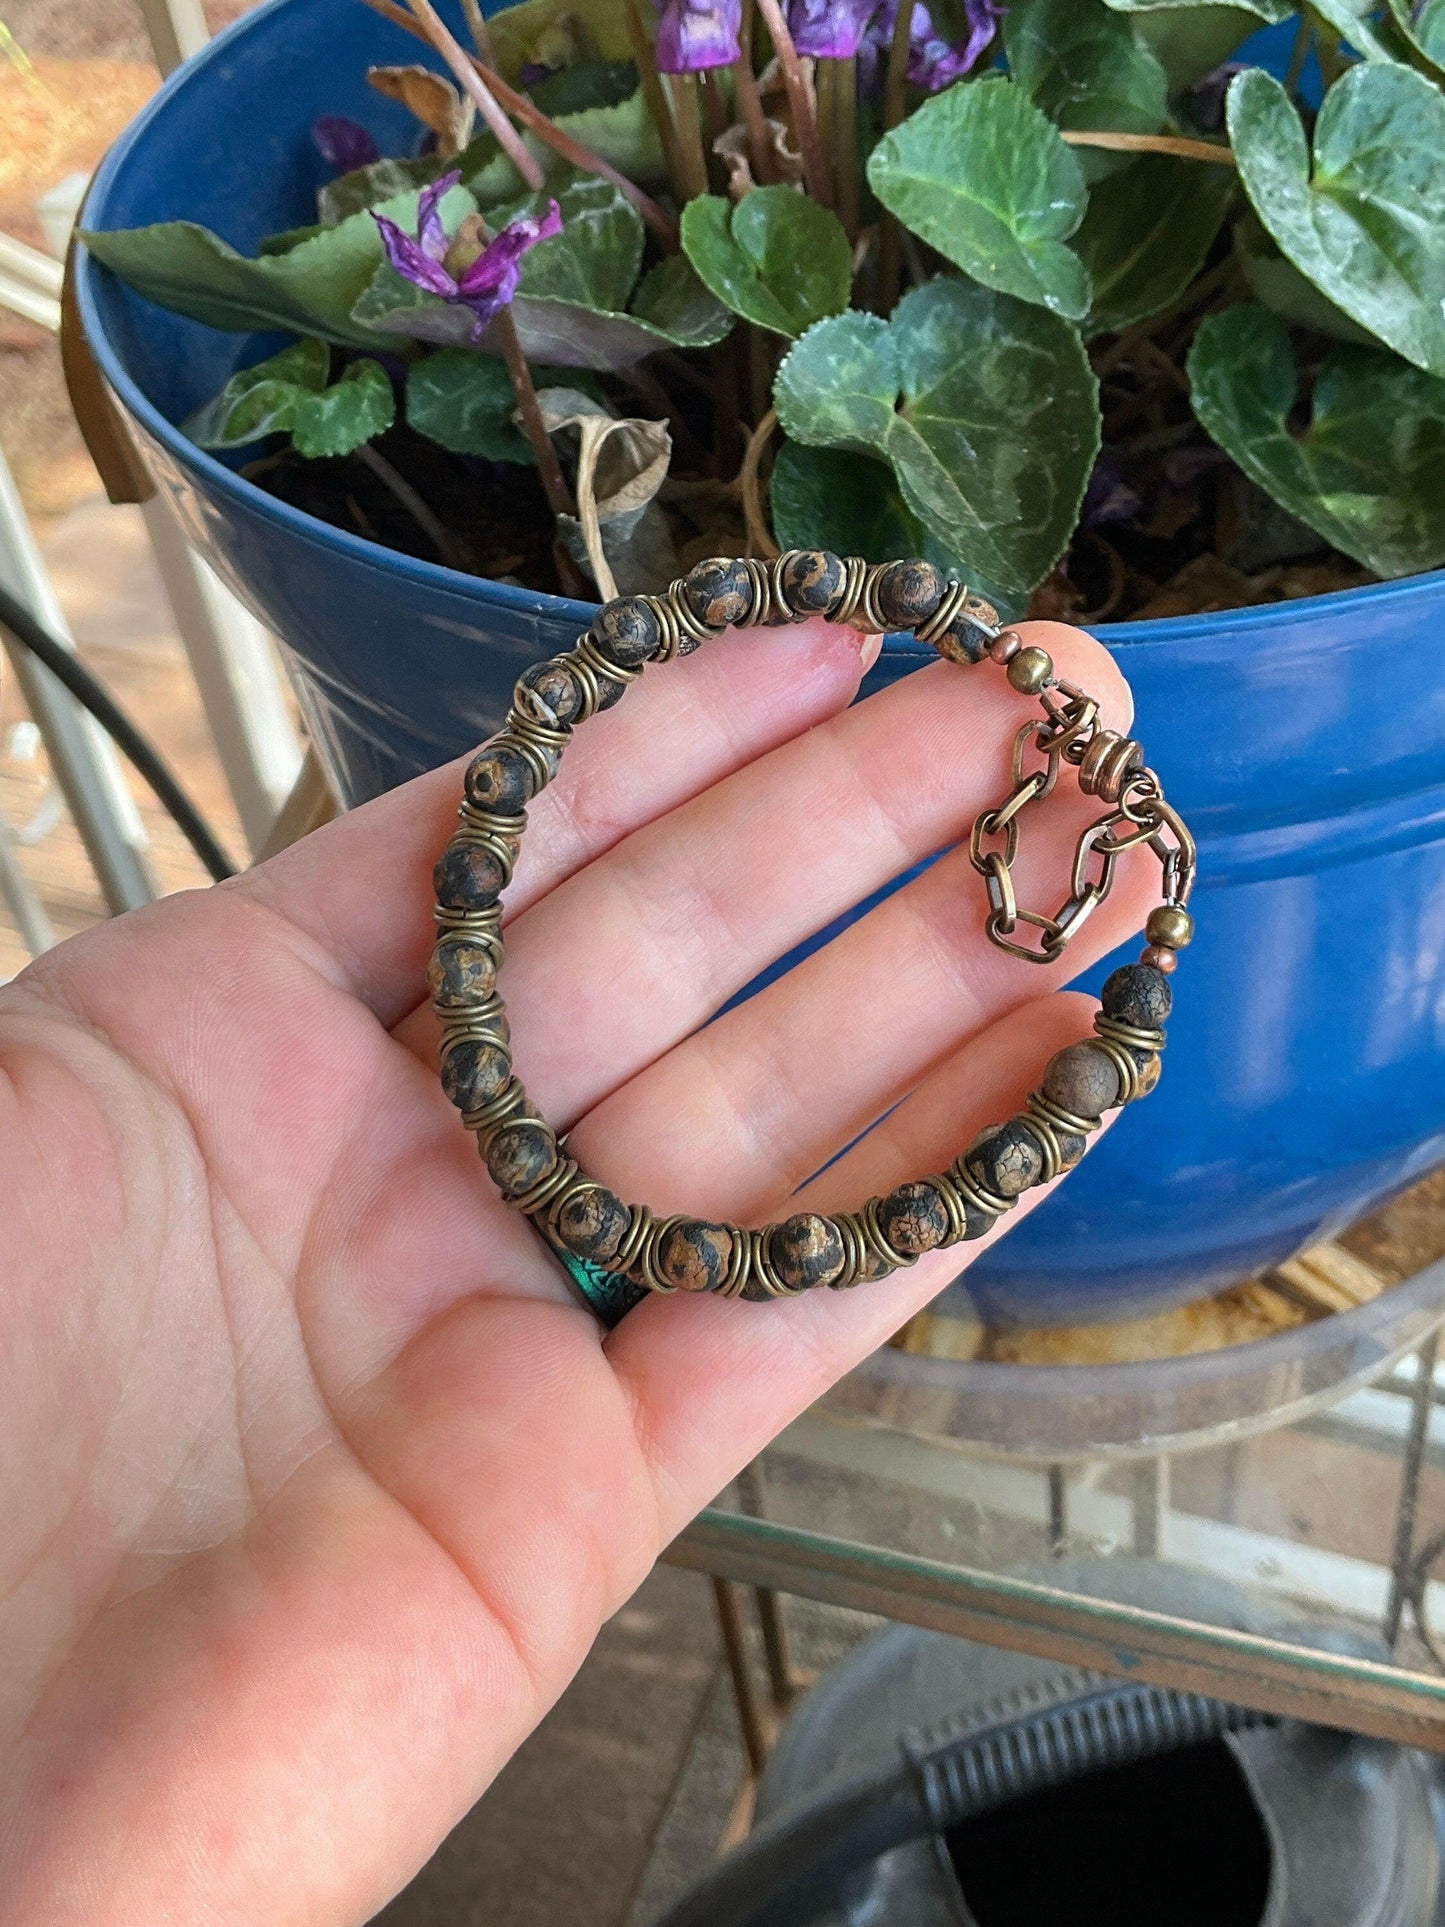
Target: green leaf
(1146, 236)
(532, 30)
(594, 260)
(1419, 35)
(1191, 37)
(623, 134)
(1359, 23)
(465, 402)
(777, 259)
(1366, 222)
(289, 238)
(983, 176)
(588, 84)
(288, 394)
(312, 289)
(1279, 286)
(998, 425)
(374, 185)
(1368, 474)
(351, 411)
(1085, 66)
(823, 498)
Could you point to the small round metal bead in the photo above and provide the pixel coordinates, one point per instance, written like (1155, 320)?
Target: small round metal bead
(1006, 1159)
(1137, 994)
(1082, 1079)
(461, 970)
(553, 683)
(807, 1250)
(908, 593)
(593, 1222)
(1031, 670)
(1169, 927)
(473, 1071)
(812, 582)
(522, 1153)
(501, 779)
(1005, 646)
(628, 630)
(695, 1255)
(468, 878)
(914, 1218)
(1158, 957)
(719, 592)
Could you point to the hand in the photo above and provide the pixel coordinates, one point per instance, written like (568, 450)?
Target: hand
(317, 1482)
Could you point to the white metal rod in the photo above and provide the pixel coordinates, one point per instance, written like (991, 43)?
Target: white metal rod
(177, 29)
(42, 271)
(23, 299)
(234, 665)
(80, 753)
(19, 893)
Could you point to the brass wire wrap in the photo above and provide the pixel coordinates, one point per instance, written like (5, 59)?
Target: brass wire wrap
(1109, 766)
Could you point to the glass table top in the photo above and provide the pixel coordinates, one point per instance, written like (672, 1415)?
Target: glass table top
(1263, 1522)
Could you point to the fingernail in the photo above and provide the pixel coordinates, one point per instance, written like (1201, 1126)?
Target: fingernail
(871, 648)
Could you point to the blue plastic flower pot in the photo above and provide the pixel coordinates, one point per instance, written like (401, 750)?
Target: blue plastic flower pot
(1304, 741)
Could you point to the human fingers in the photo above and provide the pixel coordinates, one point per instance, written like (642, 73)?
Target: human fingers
(636, 951)
(713, 1380)
(359, 890)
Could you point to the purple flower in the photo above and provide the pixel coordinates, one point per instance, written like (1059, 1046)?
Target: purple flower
(933, 61)
(1108, 498)
(343, 144)
(829, 29)
(485, 283)
(693, 34)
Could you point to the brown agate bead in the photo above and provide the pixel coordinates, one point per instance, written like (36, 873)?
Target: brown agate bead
(628, 630)
(914, 1218)
(807, 1251)
(1071, 1148)
(1082, 1079)
(461, 971)
(593, 1222)
(968, 637)
(719, 592)
(812, 582)
(473, 1071)
(501, 779)
(908, 593)
(521, 1154)
(694, 1255)
(1151, 1068)
(1007, 1159)
(1137, 994)
(468, 878)
(553, 682)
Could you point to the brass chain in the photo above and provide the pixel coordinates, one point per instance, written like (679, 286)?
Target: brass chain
(1111, 767)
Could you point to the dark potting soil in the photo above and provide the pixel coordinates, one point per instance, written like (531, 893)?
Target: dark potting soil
(1171, 526)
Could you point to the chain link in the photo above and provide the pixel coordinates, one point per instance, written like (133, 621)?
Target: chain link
(1110, 766)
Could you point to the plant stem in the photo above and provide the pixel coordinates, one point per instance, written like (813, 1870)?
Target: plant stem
(415, 507)
(845, 137)
(760, 146)
(689, 132)
(1299, 51)
(715, 114)
(554, 483)
(546, 130)
(470, 81)
(1186, 150)
(800, 99)
(890, 238)
(477, 28)
(657, 102)
(561, 142)
(760, 536)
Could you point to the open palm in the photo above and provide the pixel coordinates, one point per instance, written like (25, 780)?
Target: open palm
(316, 1481)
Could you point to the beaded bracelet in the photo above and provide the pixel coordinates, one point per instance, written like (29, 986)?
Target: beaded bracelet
(615, 1252)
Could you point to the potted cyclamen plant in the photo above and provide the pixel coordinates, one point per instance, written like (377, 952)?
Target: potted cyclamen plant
(441, 329)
